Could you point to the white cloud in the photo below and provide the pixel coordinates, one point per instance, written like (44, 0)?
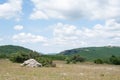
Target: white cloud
(100, 35)
(28, 38)
(71, 9)
(66, 34)
(39, 15)
(18, 27)
(11, 9)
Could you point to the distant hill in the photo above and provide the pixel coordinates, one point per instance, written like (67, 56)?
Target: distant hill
(9, 49)
(92, 53)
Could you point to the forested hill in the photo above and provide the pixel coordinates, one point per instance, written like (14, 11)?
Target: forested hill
(94, 52)
(9, 49)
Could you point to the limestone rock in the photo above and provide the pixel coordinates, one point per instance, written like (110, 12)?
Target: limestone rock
(31, 63)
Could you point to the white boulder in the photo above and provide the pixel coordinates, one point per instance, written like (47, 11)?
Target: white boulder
(31, 63)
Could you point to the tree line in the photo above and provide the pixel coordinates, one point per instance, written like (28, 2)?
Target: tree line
(47, 60)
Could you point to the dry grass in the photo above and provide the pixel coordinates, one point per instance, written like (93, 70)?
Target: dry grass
(13, 71)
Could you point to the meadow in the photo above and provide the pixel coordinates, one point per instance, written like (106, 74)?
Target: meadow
(62, 71)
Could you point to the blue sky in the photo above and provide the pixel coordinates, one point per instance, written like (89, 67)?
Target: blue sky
(51, 26)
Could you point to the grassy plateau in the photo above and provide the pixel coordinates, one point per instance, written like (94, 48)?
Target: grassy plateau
(81, 71)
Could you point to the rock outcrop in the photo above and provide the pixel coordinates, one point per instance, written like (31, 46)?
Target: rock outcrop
(31, 63)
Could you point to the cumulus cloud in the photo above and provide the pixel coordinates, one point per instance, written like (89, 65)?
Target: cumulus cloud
(66, 34)
(11, 9)
(28, 38)
(71, 9)
(18, 27)
(99, 35)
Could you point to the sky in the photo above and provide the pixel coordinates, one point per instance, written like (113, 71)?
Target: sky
(51, 26)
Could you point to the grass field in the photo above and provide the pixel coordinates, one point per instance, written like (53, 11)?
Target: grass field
(83, 71)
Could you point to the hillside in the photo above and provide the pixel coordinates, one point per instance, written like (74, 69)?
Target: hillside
(9, 49)
(92, 53)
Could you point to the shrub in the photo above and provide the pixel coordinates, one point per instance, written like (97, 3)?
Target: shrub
(98, 61)
(77, 58)
(74, 59)
(2, 56)
(114, 60)
(67, 60)
(19, 57)
(46, 62)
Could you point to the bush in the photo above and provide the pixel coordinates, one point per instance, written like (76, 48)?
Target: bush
(114, 60)
(98, 61)
(77, 58)
(20, 57)
(33, 54)
(2, 56)
(67, 60)
(46, 62)
(74, 59)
